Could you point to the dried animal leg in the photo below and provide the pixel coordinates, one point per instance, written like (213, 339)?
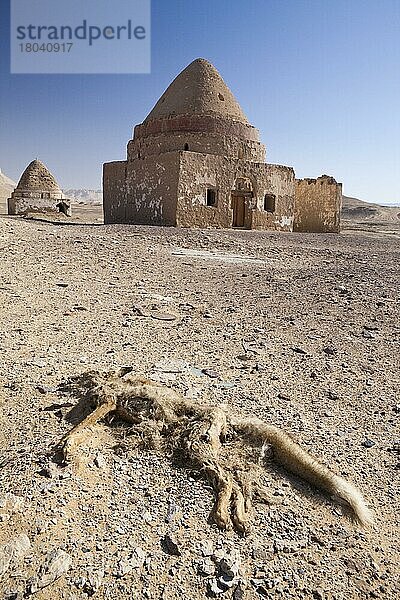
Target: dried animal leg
(223, 485)
(241, 502)
(72, 438)
(203, 442)
(239, 515)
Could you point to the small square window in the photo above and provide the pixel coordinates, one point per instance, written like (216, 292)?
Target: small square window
(269, 203)
(211, 197)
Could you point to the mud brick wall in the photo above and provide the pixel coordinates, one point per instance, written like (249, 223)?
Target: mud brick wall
(197, 172)
(196, 133)
(209, 143)
(114, 192)
(318, 203)
(142, 191)
(151, 190)
(201, 171)
(278, 181)
(24, 204)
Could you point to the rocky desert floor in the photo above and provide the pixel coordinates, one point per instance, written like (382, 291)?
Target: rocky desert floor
(299, 330)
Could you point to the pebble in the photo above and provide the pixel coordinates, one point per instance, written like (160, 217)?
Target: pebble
(56, 564)
(368, 335)
(196, 372)
(210, 373)
(206, 547)
(46, 389)
(329, 350)
(123, 568)
(206, 567)
(214, 587)
(100, 461)
(170, 545)
(368, 443)
(299, 350)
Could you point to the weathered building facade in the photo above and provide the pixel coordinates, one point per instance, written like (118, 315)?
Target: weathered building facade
(196, 161)
(37, 191)
(318, 203)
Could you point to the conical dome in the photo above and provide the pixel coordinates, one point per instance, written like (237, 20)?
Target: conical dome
(37, 177)
(198, 90)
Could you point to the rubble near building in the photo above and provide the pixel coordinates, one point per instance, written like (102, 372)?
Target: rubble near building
(196, 161)
(37, 192)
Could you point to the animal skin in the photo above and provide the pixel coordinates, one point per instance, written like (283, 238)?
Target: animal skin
(174, 423)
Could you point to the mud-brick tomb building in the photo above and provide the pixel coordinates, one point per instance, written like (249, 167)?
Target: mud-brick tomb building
(37, 192)
(196, 161)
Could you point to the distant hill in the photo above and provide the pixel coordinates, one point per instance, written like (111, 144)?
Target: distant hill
(84, 196)
(7, 186)
(359, 211)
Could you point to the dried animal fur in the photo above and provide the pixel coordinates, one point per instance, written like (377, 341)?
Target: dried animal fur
(198, 433)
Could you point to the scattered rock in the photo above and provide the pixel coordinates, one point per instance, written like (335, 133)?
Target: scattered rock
(196, 372)
(11, 502)
(46, 389)
(138, 557)
(214, 588)
(163, 316)
(206, 567)
(13, 551)
(329, 350)
(56, 564)
(230, 565)
(100, 461)
(299, 350)
(50, 471)
(123, 568)
(368, 443)
(170, 545)
(18, 546)
(238, 594)
(94, 581)
(210, 373)
(226, 570)
(206, 547)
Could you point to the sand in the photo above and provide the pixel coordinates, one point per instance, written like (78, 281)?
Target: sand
(301, 330)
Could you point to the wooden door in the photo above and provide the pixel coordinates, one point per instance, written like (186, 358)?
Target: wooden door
(238, 204)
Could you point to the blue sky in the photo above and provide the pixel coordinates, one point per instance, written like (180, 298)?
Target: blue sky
(319, 78)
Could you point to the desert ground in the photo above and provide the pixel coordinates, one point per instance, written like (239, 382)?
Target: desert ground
(300, 330)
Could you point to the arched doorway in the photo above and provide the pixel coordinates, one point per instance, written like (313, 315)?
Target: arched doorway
(241, 200)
